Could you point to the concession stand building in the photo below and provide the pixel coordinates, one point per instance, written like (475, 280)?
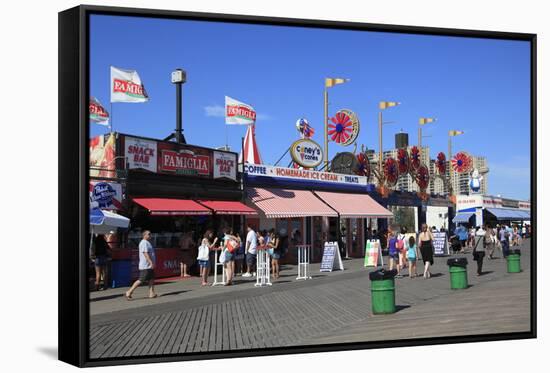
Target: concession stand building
(171, 189)
(311, 207)
(476, 210)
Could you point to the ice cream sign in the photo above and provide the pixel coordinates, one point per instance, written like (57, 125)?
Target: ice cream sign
(307, 153)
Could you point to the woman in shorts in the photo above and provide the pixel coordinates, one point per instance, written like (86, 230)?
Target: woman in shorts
(230, 245)
(207, 244)
(412, 255)
(393, 253)
(274, 243)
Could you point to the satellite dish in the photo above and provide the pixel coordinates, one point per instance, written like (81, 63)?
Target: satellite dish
(344, 163)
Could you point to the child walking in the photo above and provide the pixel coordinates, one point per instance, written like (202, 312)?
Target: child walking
(412, 254)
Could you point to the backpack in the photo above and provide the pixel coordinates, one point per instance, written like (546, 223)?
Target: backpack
(231, 245)
(400, 244)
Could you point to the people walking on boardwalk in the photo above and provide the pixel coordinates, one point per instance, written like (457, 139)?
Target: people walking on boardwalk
(516, 236)
(401, 248)
(274, 247)
(394, 253)
(462, 234)
(208, 243)
(100, 249)
(146, 266)
(426, 249)
(479, 249)
(489, 241)
(504, 241)
(250, 250)
(455, 243)
(412, 255)
(471, 237)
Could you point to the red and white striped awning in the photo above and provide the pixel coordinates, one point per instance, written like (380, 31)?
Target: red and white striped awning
(287, 203)
(354, 205)
(251, 152)
(228, 207)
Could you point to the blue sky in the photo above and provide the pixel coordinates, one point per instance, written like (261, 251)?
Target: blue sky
(480, 86)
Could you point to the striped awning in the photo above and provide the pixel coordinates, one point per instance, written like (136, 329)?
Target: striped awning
(509, 214)
(228, 207)
(354, 205)
(287, 203)
(462, 217)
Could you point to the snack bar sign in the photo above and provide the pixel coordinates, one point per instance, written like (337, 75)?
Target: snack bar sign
(184, 162)
(225, 165)
(141, 153)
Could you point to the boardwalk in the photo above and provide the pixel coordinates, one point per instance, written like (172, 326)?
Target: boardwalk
(330, 308)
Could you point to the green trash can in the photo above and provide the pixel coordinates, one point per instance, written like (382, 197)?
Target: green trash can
(383, 291)
(458, 273)
(513, 260)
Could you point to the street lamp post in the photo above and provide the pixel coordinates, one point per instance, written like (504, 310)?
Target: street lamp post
(178, 78)
(382, 105)
(329, 82)
(421, 122)
(452, 133)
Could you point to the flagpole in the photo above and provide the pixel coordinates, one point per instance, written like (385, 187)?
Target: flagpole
(111, 119)
(226, 138)
(326, 126)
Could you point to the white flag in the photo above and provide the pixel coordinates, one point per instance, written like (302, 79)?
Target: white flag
(98, 114)
(126, 86)
(237, 112)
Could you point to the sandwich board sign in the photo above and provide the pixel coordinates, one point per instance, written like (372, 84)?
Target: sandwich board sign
(440, 244)
(373, 254)
(330, 252)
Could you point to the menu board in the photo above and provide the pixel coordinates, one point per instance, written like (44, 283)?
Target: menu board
(330, 253)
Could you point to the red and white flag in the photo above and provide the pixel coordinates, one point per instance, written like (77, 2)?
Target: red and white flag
(126, 86)
(98, 114)
(237, 112)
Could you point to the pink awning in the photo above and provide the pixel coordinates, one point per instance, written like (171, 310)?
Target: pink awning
(288, 203)
(354, 205)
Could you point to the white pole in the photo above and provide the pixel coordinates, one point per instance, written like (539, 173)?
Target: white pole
(216, 264)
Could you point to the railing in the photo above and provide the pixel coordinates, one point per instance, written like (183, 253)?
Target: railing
(262, 268)
(217, 264)
(304, 252)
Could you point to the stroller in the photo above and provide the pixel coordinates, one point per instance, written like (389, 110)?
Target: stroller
(455, 244)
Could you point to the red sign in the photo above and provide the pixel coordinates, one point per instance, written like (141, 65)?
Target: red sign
(185, 161)
(128, 87)
(168, 262)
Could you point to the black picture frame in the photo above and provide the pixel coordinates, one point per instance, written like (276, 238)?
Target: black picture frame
(73, 180)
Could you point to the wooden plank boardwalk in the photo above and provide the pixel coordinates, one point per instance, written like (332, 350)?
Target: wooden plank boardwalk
(332, 309)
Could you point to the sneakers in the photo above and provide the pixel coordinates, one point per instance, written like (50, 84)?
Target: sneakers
(253, 273)
(247, 274)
